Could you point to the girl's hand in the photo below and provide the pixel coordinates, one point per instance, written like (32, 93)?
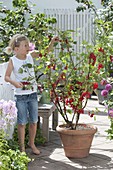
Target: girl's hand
(17, 84)
(37, 54)
(55, 39)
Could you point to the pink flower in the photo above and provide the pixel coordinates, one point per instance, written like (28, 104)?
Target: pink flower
(8, 114)
(104, 93)
(110, 113)
(108, 87)
(31, 46)
(103, 82)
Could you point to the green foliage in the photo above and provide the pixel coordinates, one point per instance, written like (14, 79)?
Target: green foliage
(103, 28)
(15, 21)
(10, 156)
(40, 30)
(104, 38)
(110, 130)
(85, 4)
(21, 4)
(68, 80)
(11, 159)
(12, 22)
(88, 4)
(105, 3)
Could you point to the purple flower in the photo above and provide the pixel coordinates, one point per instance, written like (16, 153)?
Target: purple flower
(108, 87)
(110, 113)
(8, 114)
(3, 124)
(31, 46)
(104, 93)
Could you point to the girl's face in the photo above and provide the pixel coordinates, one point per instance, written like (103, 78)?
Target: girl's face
(23, 49)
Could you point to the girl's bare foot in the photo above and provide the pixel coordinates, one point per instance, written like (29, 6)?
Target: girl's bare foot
(22, 148)
(34, 149)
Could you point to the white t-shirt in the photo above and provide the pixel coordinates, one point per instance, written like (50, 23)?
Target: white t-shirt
(27, 72)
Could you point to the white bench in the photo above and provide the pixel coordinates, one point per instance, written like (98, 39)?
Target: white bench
(45, 111)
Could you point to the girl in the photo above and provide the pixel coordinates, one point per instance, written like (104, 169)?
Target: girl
(25, 92)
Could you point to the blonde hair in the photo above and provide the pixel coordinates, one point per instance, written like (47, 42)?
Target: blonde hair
(15, 42)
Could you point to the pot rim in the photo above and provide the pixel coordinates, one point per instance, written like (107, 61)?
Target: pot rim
(91, 129)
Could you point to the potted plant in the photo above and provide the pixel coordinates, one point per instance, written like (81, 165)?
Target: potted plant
(71, 78)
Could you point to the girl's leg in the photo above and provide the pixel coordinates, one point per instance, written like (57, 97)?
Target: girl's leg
(21, 104)
(32, 134)
(21, 137)
(33, 119)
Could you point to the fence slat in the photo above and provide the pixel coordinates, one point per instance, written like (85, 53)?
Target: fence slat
(81, 23)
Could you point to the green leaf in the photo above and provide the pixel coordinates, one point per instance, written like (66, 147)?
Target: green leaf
(20, 70)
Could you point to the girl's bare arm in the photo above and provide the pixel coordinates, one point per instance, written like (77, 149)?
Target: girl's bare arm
(36, 53)
(8, 76)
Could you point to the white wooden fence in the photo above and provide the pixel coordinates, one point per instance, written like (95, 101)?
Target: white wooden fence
(81, 23)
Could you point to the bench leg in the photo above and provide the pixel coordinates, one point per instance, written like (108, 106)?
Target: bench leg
(45, 128)
(38, 123)
(54, 119)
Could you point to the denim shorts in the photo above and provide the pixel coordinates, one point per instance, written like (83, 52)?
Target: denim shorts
(27, 106)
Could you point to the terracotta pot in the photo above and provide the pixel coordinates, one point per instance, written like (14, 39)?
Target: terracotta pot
(76, 143)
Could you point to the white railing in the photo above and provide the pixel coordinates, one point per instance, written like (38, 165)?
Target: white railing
(6, 89)
(81, 23)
